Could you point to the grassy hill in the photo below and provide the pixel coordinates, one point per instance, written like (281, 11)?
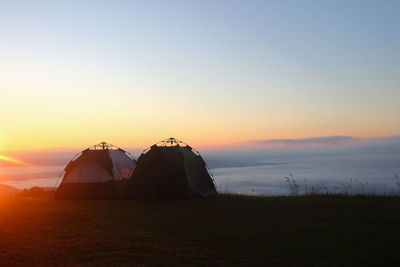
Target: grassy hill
(6, 190)
(226, 230)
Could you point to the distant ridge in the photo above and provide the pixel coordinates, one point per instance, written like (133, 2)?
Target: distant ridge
(7, 191)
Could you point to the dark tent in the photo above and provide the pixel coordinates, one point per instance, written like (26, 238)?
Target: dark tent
(101, 171)
(170, 169)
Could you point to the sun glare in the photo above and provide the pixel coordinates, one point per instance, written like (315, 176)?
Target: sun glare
(12, 160)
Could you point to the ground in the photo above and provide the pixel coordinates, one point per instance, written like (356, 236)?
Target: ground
(226, 230)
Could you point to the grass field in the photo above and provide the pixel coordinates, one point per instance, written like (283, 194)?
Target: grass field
(226, 230)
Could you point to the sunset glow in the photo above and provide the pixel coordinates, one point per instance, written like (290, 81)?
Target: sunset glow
(12, 160)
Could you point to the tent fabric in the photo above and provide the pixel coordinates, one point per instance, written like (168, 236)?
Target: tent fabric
(88, 170)
(170, 172)
(122, 165)
(103, 159)
(196, 172)
(96, 173)
(157, 177)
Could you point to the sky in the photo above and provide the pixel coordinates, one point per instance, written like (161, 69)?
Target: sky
(211, 73)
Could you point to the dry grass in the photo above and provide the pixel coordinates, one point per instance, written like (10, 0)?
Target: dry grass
(227, 230)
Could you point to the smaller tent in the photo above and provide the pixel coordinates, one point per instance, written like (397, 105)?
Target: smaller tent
(100, 171)
(170, 169)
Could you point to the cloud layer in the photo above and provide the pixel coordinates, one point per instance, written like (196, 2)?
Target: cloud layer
(327, 140)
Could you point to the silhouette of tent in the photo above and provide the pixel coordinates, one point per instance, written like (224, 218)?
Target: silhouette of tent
(100, 171)
(170, 169)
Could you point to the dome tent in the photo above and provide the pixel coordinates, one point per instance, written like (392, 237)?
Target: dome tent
(170, 169)
(100, 171)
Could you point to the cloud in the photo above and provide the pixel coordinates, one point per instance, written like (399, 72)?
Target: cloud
(390, 139)
(33, 173)
(43, 158)
(327, 140)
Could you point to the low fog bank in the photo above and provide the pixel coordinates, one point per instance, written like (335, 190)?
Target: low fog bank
(352, 166)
